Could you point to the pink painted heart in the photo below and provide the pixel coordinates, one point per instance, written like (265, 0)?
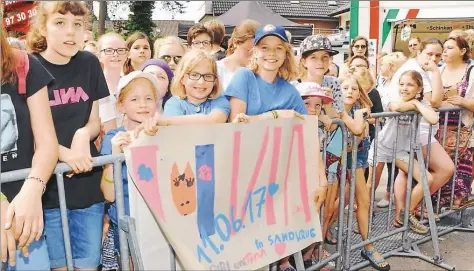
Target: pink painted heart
(280, 248)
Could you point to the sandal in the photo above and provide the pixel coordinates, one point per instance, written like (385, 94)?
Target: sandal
(425, 215)
(466, 204)
(380, 264)
(331, 240)
(325, 255)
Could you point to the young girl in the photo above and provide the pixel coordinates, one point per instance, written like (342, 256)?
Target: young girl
(314, 99)
(112, 56)
(262, 91)
(28, 141)
(139, 47)
(410, 90)
(56, 37)
(357, 104)
(196, 95)
(137, 99)
(162, 71)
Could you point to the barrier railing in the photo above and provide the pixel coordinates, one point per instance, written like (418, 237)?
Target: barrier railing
(405, 243)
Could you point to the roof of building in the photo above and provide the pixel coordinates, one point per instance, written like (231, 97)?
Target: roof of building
(314, 8)
(341, 9)
(169, 27)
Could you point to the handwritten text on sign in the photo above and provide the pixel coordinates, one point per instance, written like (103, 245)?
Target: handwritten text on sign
(231, 196)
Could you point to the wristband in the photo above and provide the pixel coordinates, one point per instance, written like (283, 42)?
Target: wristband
(39, 180)
(275, 114)
(108, 180)
(3, 197)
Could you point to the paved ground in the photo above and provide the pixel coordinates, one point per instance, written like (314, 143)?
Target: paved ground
(457, 248)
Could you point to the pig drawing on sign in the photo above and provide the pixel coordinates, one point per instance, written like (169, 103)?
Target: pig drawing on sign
(183, 189)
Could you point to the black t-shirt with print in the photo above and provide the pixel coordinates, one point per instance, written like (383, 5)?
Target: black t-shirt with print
(76, 86)
(17, 135)
(377, 107)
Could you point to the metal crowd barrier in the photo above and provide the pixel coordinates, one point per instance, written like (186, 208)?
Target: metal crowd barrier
(389, 242)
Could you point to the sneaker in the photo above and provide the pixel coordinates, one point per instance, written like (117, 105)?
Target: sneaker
(416, 225)
(383, 203)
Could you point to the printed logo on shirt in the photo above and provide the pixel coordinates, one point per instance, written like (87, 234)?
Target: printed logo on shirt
(70, 96)
(9, 128)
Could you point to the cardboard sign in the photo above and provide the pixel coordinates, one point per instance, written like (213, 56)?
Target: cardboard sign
(230, 196)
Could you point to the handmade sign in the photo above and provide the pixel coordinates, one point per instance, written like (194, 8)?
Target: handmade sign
(231, 196)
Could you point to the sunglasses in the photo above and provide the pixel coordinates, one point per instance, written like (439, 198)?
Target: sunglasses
(168, 58)
(360, 46)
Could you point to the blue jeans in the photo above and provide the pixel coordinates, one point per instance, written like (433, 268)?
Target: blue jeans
(85, 229)
(37, 259)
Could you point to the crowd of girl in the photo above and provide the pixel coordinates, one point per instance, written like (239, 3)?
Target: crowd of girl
(80, 104)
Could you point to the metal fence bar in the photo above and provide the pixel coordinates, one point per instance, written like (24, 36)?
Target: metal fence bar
(372, 185)
(342, 193)
(351, 203)
(64, 221)
(119, 201)
(456, 158)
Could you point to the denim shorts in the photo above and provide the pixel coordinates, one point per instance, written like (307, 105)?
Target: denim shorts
(85, 229)
(362, 155)
(37, 259)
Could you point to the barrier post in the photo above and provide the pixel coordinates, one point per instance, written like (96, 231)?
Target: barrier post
(342, 194)
(119, 200)
(347, 255)
(64, 221)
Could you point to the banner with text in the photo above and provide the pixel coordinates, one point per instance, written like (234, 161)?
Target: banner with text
(231, 196)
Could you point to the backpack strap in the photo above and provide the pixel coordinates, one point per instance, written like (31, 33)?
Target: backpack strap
(22, 67)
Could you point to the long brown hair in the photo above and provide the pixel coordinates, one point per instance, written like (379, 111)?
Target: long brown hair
(35, 40)
(8, 72)
(356, 39)
(243, 32)
(127, 66)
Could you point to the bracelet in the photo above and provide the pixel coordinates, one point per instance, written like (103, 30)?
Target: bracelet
(39, 180)
(3, 197)
(275, 114)
(108, 180)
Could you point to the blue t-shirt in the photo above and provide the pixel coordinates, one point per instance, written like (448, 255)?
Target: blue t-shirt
(176, 106)
(261, 96)
(106, 149)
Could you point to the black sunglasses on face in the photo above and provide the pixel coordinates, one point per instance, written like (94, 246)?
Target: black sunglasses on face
(168, 58)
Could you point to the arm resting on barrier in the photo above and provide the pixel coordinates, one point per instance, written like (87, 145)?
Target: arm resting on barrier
(429, 114)
(462, 102)
(401, 106)
(357, 124)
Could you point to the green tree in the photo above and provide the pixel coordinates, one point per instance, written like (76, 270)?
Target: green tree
(140, 18)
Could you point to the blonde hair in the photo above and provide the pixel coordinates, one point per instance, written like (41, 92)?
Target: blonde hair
(170, 40)
(470, 40)
(396, 59)
(364, 99)
(190, 61)
(458, 33)
(108, 35)
(288, 70)
(243, 32)
(36, 42)
(366, 80)
(130, 86)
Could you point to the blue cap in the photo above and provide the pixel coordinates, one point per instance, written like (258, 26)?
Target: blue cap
(270, 30)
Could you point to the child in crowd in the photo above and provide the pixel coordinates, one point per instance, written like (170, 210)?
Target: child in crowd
(357, 105)
(315, 98)
(137, 100)
(162, 71)
(56, 38)
(196, 95)
(411, 93)
(139, 50)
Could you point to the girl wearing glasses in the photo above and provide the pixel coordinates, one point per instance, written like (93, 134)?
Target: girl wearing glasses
(171, 50)
(196, 95)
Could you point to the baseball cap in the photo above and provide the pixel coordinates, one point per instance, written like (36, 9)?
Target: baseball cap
(313, 90)
(270, 30)
(316, 43)
(125, 80)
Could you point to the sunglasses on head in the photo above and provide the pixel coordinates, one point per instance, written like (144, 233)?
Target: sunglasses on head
(168, 58)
